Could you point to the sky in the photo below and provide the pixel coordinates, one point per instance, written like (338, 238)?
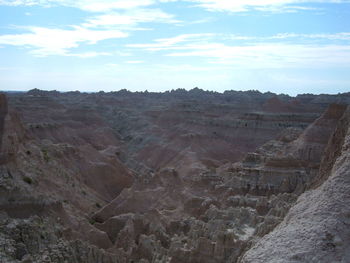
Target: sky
(282, 46)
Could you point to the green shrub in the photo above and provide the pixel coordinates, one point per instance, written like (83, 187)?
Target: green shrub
(45, 155)
(27, 179)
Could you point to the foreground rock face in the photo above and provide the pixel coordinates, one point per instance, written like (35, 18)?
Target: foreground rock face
(40, 240)
(316, 229)
(175, 177)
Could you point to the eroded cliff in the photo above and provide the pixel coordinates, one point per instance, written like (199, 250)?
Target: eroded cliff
(176, 177)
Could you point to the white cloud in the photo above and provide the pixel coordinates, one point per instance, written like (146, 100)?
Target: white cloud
(262, 5)
(336, 36)
(172, 43)
(255, 52)
(211, 5)
(130, 18)
(107, 5)
(193, 41)
(47, 41)
(134, 61)
(118, 17)
(190, 67)
(89, 54)
(87, 5)
(271, 55)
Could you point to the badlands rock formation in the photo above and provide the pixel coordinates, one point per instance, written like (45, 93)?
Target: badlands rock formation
(181, 176)
(316, 229)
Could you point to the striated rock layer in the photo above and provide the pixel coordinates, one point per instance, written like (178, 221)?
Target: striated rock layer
(170, 177)
(316, 229)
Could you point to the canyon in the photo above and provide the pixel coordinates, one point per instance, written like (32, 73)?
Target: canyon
(179, 177)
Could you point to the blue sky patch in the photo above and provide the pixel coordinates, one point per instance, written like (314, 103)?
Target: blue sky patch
(283, 46)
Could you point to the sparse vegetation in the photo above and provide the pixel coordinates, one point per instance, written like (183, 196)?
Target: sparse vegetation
(92, 221)
(45, 155)
(27, 179)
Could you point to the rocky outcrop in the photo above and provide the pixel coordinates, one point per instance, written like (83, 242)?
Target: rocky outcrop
(45, 175)
(316, 229)
(3, 112)
(333, 150)
(311, 144)
(289, 164)
(41, 240)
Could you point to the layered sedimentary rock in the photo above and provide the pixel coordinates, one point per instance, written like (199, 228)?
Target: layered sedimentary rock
(289, 163)
(316, 229)
(214, 216)
(148, 177)
(48, 174)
